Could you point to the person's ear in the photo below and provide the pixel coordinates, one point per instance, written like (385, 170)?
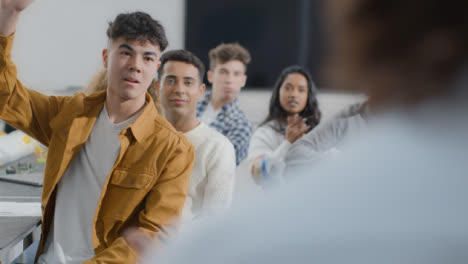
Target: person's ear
(209, 76)
(157, 87)
(202, 91)
(157, 67)
(105, 57)
(244, 80)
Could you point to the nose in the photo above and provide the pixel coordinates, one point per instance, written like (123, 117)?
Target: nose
(292, 94)
(179, 88)
(229, 77)
(135, 64)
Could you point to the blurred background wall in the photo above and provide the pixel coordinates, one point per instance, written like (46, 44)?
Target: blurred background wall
(58, 44)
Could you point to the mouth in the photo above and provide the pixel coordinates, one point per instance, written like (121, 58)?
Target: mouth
(293, 103)
(178, 101)
(131, 80)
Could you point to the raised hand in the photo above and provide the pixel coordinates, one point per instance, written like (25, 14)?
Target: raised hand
(296, 128)
(9, 13)
(15, 5)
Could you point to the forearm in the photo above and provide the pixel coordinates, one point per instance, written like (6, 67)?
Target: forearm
(270, 163)
(280, 152)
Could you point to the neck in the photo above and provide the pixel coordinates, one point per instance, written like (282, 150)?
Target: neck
(218, 102)
(182, 123)
(120, 110)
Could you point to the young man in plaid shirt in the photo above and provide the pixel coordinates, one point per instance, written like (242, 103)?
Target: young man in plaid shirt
(220, 108)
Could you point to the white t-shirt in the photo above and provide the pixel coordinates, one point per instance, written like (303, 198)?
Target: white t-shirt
(70, 238)
(209, 116)
(2, 126)
(213, 174)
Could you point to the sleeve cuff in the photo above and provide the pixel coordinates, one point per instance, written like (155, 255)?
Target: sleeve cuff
(6, 44)
(281, 151)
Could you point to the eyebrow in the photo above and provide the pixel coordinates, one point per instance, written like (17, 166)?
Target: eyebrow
(175, 77)
(126, 46)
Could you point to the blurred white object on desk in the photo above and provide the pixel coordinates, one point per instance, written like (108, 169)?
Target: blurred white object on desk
(16, 145)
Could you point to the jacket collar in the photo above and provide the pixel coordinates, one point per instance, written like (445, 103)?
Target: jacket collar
(141, 127)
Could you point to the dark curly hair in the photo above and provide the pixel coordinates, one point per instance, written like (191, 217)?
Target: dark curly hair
(311, 110)
(138, 26)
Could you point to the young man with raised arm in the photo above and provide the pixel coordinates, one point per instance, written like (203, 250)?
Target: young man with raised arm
(113, 161)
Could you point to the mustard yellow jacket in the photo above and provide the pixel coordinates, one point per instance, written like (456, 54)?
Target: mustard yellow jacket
(148, 183)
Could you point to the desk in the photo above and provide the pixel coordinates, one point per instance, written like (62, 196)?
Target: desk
(14, 230)
(17, 229)
(15, 192)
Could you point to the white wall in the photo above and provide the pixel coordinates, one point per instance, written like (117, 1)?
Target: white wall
(59, 43)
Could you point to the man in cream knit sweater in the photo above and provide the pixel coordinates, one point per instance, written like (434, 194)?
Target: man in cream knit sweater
(179, 87)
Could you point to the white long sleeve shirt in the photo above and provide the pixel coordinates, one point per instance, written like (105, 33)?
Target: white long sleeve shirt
(273, 146)
(213, 174)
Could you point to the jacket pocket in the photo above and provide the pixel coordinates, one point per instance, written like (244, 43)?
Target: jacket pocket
(130, 179)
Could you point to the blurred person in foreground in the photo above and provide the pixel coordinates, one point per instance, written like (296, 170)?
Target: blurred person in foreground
(398, 192)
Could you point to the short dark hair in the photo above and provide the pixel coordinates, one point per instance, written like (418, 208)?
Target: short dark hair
(228, 52)
(311, 109)
(182, 56)
(138, 26)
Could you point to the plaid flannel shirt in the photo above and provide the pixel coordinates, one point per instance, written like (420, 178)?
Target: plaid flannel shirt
(231, 122)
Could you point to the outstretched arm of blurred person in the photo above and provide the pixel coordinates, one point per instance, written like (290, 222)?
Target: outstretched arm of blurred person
(329, 137)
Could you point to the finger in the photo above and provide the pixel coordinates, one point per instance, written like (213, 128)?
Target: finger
(290, 120)
(296, 118)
